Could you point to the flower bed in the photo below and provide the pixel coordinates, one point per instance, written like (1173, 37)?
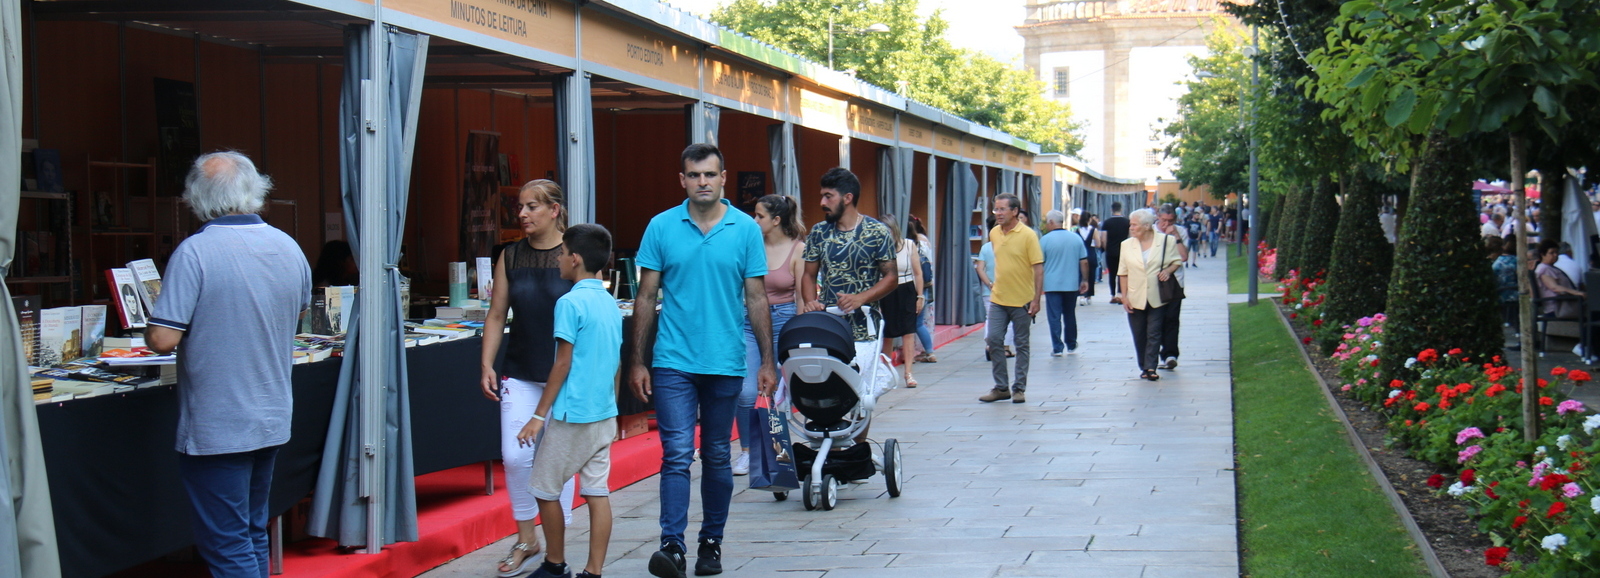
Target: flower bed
(1464, 416)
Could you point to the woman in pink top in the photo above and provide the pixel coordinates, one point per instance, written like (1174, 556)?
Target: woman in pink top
(779, 218)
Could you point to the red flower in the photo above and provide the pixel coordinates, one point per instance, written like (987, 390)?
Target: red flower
(1396, 384)
(1494, 389)
(1421, 407)
(1578, 375)
(1428, 356)
(1543, 382)
(1546, 401)
(1306, 341)
(1317, 323)
(1496, 556)
(1456, 351)
(1555, 509)
(1468, 476)
(1489, 491)
(1374, 363)
(1436, 481)
(1294, 315)
(1519, 521)
(1559, 371)
(1553, 481)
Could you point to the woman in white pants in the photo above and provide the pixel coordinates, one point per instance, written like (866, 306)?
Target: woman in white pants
(527, 278)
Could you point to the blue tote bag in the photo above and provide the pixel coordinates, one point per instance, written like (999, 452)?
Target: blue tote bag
(771, 458)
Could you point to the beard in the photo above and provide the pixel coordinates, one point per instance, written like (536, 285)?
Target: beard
(833, 215)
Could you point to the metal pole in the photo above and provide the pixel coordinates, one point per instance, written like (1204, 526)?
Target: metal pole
(374, 237)
(1255, 197)
(830, 41)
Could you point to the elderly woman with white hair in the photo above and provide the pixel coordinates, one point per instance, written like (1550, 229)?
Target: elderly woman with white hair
(1148, 257)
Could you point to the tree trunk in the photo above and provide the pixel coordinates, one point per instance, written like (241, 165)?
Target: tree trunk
(1530, 361)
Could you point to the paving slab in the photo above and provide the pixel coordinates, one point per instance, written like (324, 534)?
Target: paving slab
(1099, 474)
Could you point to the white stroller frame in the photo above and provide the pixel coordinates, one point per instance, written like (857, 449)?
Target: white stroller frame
(812, 364)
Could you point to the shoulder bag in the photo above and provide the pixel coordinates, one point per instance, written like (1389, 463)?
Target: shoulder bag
(1170, 289)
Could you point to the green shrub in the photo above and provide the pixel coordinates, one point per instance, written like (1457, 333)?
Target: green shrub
(1359, 270)
(1274, 214)
(1317, 232)
(1442, 291)
(1289, 232)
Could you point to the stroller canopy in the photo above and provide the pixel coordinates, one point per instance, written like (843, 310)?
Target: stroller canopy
(820, 329)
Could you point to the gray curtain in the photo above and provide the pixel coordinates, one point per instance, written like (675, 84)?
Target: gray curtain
(27, 523)
(894, 183)
(575, 144)
(956, 285)
(1059, 201)
(338, 509)
(1030, 192)
(785, 165)
(704, 122)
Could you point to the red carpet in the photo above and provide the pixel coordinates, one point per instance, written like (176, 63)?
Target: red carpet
(454, 517)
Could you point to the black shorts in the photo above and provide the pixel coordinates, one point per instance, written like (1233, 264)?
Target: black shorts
(899, 311)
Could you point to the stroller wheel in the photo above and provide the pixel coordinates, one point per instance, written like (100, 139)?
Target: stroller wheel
(780, 496)
(808, 497)
(830, 492)
(891, 466)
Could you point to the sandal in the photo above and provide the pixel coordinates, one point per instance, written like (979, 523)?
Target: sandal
(927, 358)
(911, 382)
(1150, 374)
(530, 556)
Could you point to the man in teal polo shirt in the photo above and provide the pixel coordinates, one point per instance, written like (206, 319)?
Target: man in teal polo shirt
(708, 258)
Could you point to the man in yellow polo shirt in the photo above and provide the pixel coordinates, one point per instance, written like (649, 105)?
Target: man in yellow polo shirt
(1014, 299)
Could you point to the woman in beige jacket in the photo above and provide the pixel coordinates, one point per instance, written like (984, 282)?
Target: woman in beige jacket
(1147, 257)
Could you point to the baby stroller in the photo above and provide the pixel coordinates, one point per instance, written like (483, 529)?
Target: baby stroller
(834, 382)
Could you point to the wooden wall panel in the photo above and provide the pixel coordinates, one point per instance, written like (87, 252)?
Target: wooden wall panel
(431, 225)
(864, 163)
(230, 100)
(636, 170)
(743, 140)
(818, 152)
(78, 105)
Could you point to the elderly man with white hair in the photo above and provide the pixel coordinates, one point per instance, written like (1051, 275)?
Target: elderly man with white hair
(230, 302)
(1066, 274)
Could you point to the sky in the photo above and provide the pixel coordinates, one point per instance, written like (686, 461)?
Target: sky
(984, 25)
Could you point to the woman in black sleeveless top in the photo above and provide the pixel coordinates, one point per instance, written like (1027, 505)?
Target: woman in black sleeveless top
(527, 281)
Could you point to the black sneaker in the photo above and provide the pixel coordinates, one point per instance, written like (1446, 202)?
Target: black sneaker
(548, 570)
(668, 561)
(708, 560)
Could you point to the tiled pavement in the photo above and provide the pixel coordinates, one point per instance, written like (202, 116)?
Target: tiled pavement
(1099, 474)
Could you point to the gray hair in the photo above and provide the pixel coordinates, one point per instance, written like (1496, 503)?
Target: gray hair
(225, 183)
(1168, 210)
(1143, 216)
(1055, 217)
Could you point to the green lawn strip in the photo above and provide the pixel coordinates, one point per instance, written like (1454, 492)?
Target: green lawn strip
(1238, 265)
(1308, 505)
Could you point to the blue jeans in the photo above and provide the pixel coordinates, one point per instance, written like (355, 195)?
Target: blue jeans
(229, 493)
(925, 327)
(1216, 239)
(781, 313)
(681, 399)
(1060, 308)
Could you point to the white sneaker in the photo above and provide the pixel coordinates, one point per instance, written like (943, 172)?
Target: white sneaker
(741, 464)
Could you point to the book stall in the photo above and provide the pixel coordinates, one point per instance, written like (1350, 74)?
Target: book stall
(604, 113)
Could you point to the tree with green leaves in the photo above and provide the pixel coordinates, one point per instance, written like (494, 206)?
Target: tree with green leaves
(1362, 260)
(1210, 137)
(1393, 71)
(1290, 231)
(913, 54)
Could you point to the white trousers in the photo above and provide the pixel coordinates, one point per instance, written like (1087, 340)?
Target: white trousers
(518, 400)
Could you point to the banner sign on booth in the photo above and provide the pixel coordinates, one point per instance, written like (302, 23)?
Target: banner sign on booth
(736, 82)
(947, 141)
(973, 149)
(544, 24)
(818, 111)
(869, 121)
(994, 153)
(629, 48)
(1014, 159)
(916, 132)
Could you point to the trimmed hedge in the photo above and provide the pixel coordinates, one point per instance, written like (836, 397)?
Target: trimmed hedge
(1274, 216)
(1289, 232)
(1442, 291)
(1321, 221)
(1358, 277)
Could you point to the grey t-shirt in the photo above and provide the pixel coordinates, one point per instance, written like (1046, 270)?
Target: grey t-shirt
(236, 289)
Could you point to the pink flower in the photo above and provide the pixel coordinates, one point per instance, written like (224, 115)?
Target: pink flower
(1346, 387)
(1468, 434)
(1569, 405)
(1466, 454)
(1364, 321)
(1571, 490)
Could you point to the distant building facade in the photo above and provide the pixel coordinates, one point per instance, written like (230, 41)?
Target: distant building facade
(1120, 64)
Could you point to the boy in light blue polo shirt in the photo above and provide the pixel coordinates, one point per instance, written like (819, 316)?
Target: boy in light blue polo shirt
(578, 411)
